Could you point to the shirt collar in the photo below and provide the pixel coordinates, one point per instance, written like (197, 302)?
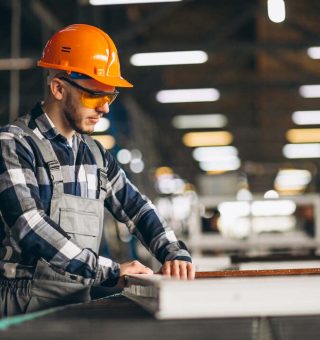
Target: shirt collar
(46, 126)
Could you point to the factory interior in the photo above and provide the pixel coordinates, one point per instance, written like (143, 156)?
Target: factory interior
(221, 131)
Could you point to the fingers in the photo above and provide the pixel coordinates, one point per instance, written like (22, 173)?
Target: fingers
(166, 269)
(137, 267)
(134, 267)
(191, 271)
(179, 269)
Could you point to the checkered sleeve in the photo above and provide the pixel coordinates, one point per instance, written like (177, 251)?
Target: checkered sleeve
(128, 206)
(30, 228)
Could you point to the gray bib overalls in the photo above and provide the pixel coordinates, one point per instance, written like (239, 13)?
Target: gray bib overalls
(81, 218)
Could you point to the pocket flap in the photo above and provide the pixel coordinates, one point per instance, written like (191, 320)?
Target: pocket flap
(77, 222)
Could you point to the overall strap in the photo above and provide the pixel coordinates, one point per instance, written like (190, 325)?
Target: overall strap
(98, 153)
(49, 157)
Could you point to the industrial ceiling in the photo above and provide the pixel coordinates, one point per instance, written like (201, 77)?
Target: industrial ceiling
(257, 66)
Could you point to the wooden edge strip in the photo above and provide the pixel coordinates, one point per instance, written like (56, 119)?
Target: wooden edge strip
(263, 272)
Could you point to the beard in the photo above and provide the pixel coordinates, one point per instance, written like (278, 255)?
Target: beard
(75, 119)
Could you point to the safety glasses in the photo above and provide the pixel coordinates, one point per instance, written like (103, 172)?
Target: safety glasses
(90, 98)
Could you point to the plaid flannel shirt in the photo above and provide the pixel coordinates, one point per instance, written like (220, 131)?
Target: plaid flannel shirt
(26, 231)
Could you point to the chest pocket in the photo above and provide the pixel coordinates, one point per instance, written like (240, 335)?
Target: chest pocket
(83, 227)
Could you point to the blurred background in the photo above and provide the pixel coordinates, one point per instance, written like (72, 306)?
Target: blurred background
(222, 127)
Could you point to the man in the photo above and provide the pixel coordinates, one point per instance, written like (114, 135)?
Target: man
(55, 182)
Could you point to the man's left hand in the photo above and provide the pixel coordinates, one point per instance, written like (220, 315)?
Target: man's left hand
(178, 269)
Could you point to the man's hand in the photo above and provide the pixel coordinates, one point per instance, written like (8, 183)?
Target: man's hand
(134, 267)
(178, 269)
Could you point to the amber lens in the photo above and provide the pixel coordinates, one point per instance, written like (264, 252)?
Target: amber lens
(93, 102)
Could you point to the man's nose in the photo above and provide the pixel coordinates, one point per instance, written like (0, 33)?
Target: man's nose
(103, 109)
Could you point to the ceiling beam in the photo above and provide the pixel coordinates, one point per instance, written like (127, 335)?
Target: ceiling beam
(46, 16)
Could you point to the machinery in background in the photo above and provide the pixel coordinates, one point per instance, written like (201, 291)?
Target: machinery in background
(257, 226)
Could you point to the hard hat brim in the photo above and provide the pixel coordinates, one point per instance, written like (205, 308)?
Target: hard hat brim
(111, 81)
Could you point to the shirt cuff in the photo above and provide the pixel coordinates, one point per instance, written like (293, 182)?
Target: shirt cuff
(108, 272)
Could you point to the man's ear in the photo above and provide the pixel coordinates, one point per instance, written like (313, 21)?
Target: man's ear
(57, 89)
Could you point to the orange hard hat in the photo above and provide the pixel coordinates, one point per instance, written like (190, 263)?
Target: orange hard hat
(87, 50)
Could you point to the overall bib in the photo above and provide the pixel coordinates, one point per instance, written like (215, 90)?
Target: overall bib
(81, 218)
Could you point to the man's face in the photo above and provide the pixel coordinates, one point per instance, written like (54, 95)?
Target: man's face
(80, 118)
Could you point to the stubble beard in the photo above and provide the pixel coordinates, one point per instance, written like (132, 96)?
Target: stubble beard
(73, 118)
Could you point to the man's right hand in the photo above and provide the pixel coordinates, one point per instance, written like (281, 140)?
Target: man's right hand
(134, 267)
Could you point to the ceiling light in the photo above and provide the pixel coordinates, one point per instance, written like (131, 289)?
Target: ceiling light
(288, 179)
(221, 165)
(311, 150)
(124, 2)
(136, 166)
(303, 135)
(238, 209)
(169, 58)
(202, 154)
(276, 10)
(163, 171)
(214, 120)
(273, 208)
(271, 194)
(136, 154)
(124, 156)
(193, 139)
(188, 95)
(244, 194)
(314, 52)
(306, 117)
(309, 91)
(102, 125)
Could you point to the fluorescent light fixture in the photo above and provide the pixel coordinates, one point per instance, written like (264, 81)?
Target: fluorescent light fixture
(311, 150)
(193, 139)
(235, 209)
(188, 95)
(314, 52)
(267, 224)
(292, 179)
(309, 91)
(303, 135)
(170, 185)
(136, 166)
(306, 117)
(124, 156)
(214, 120)
(136, 154)
(203, 154)
(234, 227)
(102, 125)
(276, 10)
(125, 2)
(163, 171)
(273, 208)
(106, 140)
(271, 194)
(169, 58)
(221, 165)
(244, 194)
